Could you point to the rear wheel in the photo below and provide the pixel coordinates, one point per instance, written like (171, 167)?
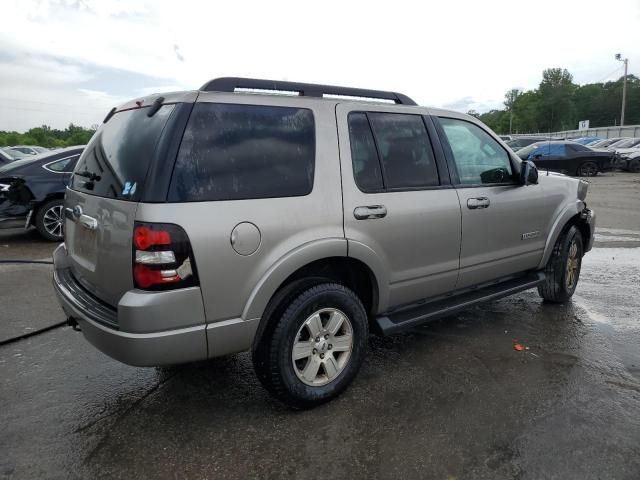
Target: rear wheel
(313, 351)
(563, 268)
(50, 220)
(588, 169)
(634, 165)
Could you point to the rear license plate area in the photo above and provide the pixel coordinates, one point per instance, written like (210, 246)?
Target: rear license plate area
(83, 246)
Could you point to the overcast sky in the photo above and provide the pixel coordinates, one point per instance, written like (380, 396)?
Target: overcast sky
(71, 61)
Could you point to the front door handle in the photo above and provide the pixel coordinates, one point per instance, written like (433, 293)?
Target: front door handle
(370, 212)
(478, 202)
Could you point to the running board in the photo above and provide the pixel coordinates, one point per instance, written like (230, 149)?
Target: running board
(395, 322)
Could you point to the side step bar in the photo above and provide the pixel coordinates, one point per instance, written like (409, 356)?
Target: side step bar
(398, 321)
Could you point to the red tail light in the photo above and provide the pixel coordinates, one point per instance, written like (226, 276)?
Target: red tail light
(162, 257)
(144, 237)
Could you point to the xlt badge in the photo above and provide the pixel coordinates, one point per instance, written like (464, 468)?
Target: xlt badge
(528, 235)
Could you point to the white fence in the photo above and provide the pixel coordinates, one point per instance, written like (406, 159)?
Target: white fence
(602, 132)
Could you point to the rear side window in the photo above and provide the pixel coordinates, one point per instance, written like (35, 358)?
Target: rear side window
(115, 162)
(63, 165)
(405, 150)
(395, 155)
(235, 152)
(364, 157)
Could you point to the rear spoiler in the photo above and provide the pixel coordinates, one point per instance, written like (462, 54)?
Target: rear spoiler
(154, 101)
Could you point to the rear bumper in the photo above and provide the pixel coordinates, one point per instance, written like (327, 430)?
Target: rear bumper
(146, 329)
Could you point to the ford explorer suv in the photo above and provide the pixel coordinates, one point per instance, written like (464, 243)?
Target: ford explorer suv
(290, 220)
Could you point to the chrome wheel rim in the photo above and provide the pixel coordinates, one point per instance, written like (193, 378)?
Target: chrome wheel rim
(52, 221)
(573, 262)
(322, 347)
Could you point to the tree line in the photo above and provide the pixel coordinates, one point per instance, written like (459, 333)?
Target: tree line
(559, 104)
(46, 136)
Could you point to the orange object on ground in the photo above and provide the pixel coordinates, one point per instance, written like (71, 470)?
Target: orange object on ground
(518, 347)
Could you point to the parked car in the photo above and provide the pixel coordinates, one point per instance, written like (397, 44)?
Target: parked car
(28, 149)
(14, 154)
(606, 142)
(521, 142)
(505, 138)
(568, 157)
(32, 191)
(205, 223)
(624, 144)
(629, 160)
(586, 140)
(5, 157)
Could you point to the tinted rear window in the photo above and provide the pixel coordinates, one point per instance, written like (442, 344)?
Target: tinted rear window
(234, 152)
(115, 162)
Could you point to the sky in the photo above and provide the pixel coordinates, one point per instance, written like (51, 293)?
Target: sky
(71, 61)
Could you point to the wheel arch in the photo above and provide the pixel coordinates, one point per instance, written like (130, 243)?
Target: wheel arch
(43, 201)
(570, 216)
(350, 272)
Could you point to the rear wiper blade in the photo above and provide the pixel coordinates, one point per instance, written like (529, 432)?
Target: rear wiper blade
(87, 174)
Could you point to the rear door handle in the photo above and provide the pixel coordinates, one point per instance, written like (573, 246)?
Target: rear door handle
(478, 202)
(370, 212)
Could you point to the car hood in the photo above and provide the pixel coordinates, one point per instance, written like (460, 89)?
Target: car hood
(628, 150)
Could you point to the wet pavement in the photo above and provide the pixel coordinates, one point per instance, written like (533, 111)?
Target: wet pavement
(451, 399)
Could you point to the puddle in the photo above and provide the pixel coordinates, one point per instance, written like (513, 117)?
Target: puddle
(608, 288)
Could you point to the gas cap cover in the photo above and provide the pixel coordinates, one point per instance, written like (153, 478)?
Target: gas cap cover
(245, 238)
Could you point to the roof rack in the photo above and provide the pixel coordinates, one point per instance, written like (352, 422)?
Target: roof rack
(231, 84)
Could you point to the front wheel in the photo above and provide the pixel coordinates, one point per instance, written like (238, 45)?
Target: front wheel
(588, 169)
(563, 268)
(315, 349)
(634, 165)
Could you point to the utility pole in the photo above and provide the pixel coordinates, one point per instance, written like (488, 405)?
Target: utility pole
(624, 86)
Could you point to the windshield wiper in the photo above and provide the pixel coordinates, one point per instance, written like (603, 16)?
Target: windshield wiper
(90, 175)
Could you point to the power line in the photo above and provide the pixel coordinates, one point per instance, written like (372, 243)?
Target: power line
(609, 74)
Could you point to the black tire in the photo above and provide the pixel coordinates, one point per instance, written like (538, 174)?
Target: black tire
(44, 218)
(272, 355)
(587, 169)
(634, 165)
(559, 284)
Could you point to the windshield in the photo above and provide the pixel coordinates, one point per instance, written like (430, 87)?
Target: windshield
(116, 160)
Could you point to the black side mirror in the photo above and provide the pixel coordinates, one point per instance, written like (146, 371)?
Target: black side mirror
(528, 173)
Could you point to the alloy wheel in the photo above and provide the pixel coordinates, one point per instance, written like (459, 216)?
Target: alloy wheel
(573, 263)
(322, 347)
(53, 221)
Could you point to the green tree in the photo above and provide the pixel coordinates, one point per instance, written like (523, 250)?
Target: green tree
(556, 110)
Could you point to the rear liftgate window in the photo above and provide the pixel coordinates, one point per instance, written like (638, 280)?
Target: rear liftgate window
(235, 152)
(116, 160)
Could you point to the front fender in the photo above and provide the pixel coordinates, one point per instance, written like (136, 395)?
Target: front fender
(566, 214)
(285, 266)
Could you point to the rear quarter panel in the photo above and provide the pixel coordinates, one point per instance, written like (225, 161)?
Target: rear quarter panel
(293, 230)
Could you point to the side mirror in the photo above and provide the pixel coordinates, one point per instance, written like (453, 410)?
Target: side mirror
(528, 173)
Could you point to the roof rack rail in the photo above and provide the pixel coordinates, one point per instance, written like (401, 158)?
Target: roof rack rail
(231, 84)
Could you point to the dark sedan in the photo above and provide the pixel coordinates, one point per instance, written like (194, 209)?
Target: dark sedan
(521, 142)
(32, 191)
(568, 157)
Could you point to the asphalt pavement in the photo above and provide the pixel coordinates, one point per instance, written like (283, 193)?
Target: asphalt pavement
(451, 399)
